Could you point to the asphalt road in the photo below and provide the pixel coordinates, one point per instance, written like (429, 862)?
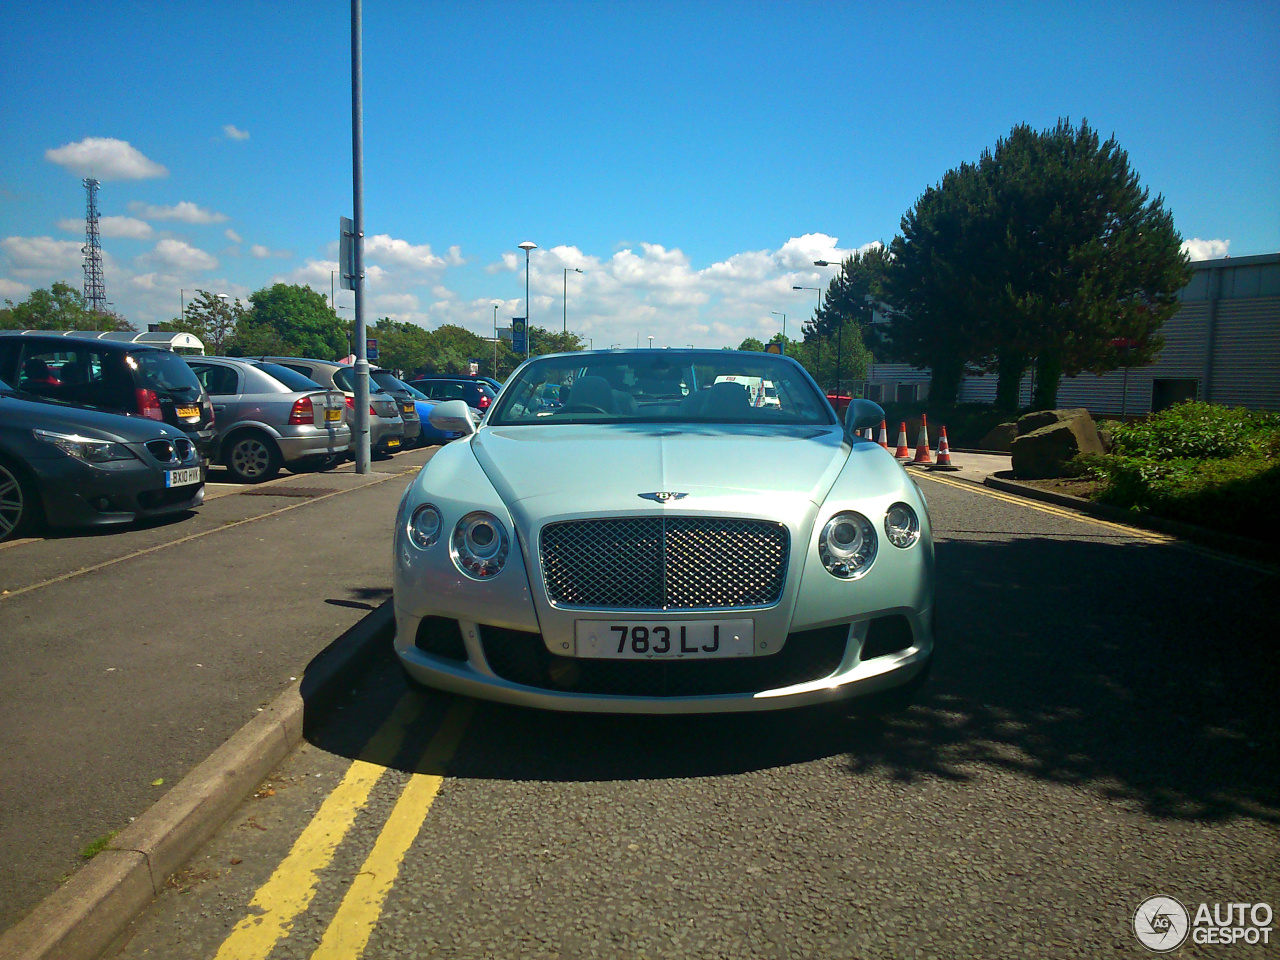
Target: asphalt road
(128, 655)
(1099, 728)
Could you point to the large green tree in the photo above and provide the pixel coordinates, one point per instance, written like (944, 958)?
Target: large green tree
(1047, 251)
(292, 320)
(861, 276)
(60, 307)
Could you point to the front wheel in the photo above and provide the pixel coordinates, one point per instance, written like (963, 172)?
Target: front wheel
(18, 507)
(253, 458)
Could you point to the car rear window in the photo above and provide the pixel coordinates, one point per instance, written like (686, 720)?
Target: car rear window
(290, 378)
(165, 372)
(346, 380)
(388, 380)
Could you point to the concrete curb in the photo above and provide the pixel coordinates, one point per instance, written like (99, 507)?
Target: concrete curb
(1226, 542)
(80, 919)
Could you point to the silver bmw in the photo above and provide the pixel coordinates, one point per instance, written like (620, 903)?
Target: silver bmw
(686, 531)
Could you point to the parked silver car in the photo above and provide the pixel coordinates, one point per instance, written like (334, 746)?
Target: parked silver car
(267, 416)
(387, 429)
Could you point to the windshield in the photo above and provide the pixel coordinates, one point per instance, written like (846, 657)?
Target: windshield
(416, 393)
(671, 386)
(289, 378)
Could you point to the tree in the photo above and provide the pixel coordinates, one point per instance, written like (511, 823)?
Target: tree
(1048, 249)
(292, 320)
(553, 341)
(210, 318)
(751, 343)
(843, 358)
(861, 276)
(61, 307)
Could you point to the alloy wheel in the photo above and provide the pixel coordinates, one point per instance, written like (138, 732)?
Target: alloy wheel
(250, 458)
(12, 502)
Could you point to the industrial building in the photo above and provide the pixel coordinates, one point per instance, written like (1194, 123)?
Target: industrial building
(1222, 346)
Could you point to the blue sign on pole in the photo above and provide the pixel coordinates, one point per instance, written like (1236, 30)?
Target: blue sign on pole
(519, 335)
(371, 349)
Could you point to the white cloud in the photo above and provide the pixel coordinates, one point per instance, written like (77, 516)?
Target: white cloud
(13, 290)
(126, 227)
(231, 132)
(232, 235)
(390, 251)
(510, 263)
(184, 212)
(1199, 249)
(262, 253)
(182, 256)
(106, 159)
(43, 257)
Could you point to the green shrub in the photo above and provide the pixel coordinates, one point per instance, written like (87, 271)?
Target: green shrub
(1198, 431)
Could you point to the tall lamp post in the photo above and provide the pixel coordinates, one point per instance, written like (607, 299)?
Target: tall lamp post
(495, 341)
(528, 338)
(784, 326)
(818, 338)
(839, 330)
(566, 296)
(650, 343)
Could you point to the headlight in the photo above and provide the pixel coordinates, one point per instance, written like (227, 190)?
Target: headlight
(479, 545)
(901, 525)
(86, 448)
(424, 526)
(847, 545)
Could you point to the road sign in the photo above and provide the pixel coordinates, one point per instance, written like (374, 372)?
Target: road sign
(347, 253)
(519, 335)
(774, 347)
(371, 349)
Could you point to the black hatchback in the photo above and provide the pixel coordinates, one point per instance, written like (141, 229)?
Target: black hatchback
(109, 375)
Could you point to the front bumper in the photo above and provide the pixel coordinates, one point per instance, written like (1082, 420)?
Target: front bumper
(852, 676)
(75, 494)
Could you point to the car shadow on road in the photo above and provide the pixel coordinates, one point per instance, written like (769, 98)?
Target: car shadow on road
(1141, 671)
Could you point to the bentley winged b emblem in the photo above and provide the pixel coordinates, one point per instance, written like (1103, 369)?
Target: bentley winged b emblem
(662, 496)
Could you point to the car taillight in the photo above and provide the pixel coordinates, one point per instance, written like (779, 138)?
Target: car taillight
(484, 402)
(302, 412)
(148, 403)
(351, 403)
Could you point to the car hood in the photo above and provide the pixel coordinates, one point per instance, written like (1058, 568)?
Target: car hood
(583, 469)
(91, 424)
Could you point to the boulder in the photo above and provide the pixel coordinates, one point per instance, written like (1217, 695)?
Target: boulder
(1043, 418)
(1000, 438)
(1043, 453)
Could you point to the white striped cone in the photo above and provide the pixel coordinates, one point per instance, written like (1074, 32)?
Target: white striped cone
(884, 436)
(904, 451)
(922, 445)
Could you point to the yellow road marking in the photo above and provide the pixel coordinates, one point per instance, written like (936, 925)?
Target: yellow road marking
(291, 888)
(10, 594)
(1050, 509)
(348, 933)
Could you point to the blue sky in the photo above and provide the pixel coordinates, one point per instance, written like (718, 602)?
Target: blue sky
(691, 158)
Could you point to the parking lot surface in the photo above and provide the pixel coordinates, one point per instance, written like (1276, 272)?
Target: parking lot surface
(1097, 731)
(127, 656)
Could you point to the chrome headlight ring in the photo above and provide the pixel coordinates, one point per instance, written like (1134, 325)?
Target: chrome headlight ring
(479, 545)
(901, 525)
(425, 525)
(847, 545)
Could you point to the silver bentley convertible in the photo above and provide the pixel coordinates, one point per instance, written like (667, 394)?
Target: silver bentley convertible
(663, 531)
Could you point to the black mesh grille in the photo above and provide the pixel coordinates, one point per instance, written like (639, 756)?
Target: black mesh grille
(162, 450)
(523, 658)
(658, 563)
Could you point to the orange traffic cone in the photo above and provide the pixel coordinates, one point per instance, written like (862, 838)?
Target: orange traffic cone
(903, 452)
(922, 442)
(884, 436)
(944, 454)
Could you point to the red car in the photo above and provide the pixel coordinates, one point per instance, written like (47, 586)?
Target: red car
(839, 401)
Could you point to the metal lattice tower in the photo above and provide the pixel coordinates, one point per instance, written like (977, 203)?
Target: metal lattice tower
(95, 291)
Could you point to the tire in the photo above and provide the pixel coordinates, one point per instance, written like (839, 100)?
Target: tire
(19, 505)
(252, 457)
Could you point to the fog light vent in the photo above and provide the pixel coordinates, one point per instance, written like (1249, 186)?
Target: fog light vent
(887, 635)
(440, 637)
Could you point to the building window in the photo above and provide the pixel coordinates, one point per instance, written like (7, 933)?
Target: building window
(907, 393)
(875, 392)
(1167, 393)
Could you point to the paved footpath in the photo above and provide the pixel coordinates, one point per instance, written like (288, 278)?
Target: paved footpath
(1099, 728)
(127, 657)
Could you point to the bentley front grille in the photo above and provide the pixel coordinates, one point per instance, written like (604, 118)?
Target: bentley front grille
(665, 563)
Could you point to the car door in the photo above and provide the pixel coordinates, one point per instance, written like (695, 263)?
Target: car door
(223, 384)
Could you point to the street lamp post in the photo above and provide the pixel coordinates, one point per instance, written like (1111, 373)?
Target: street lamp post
(495, 341)
(818, 338)
(528, 338)
(650, 343)
(839, 329)
(566, 296)
(784, 326)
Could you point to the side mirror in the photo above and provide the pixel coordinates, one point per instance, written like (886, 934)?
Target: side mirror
(452, 416)
(861, 414)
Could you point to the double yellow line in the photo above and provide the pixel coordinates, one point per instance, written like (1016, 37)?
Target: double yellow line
(292, 887)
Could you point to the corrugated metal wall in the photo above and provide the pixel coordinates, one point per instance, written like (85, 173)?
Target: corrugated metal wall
(1246, 356)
